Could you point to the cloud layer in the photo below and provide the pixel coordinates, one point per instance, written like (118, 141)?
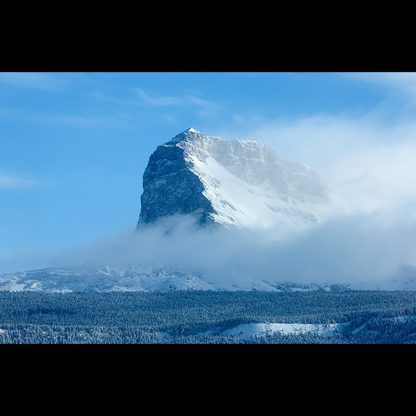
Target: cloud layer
(364, 251)
(368, 163)
(370, 242)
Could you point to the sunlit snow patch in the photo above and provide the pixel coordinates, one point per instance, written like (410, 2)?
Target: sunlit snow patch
(246, 331)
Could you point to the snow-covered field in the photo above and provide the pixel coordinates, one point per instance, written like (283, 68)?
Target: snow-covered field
(252, 205)
(245, 331)
(259, 330)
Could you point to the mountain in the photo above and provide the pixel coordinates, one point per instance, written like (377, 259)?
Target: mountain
(239, 183)
(145, 279)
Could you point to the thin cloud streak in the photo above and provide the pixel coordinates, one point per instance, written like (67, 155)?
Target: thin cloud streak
(35, 80)
(8, 181)
(403, 82)
(205, 107)
(73, 120)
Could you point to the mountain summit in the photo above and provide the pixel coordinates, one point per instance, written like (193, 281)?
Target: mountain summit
(239, 183)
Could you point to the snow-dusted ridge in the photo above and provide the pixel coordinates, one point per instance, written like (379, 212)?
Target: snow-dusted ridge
(105, 279)
(134, 279)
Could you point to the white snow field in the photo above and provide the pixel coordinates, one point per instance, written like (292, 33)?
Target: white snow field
(246, 331)
(241, 199)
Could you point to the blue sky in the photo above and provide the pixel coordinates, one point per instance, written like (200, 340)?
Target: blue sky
(73, 146)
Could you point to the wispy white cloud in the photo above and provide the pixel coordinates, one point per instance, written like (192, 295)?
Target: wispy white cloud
(105, 97)
(35, 80)
(403, 82)
(70, 120)
(205, 107)
(11, 181)
(368, 163)
(85, 122)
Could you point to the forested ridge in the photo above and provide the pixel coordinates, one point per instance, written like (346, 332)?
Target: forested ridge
(202, 316)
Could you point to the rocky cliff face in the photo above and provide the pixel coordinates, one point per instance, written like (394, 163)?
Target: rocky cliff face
(229, 183)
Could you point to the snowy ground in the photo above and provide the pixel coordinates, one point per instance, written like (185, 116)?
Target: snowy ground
(100, 280)
(257, 330)
(128, 280)
(246, 331)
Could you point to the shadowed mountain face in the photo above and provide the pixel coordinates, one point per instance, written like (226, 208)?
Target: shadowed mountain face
(170, 186)
(229, 183)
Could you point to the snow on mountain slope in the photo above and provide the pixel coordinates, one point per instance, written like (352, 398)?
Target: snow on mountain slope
(230, 183)
(133, 279)
(101, 280)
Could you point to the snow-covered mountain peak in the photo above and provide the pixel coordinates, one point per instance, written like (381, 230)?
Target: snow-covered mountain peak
(192, 130)
(186, 135)
(229, 183)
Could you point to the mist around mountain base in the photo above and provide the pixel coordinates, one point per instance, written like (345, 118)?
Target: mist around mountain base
(361, 252)
(246, 219)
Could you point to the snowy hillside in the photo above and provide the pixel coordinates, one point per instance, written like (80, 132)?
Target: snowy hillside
(135, 279)
(231, 183)
(100, 280)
